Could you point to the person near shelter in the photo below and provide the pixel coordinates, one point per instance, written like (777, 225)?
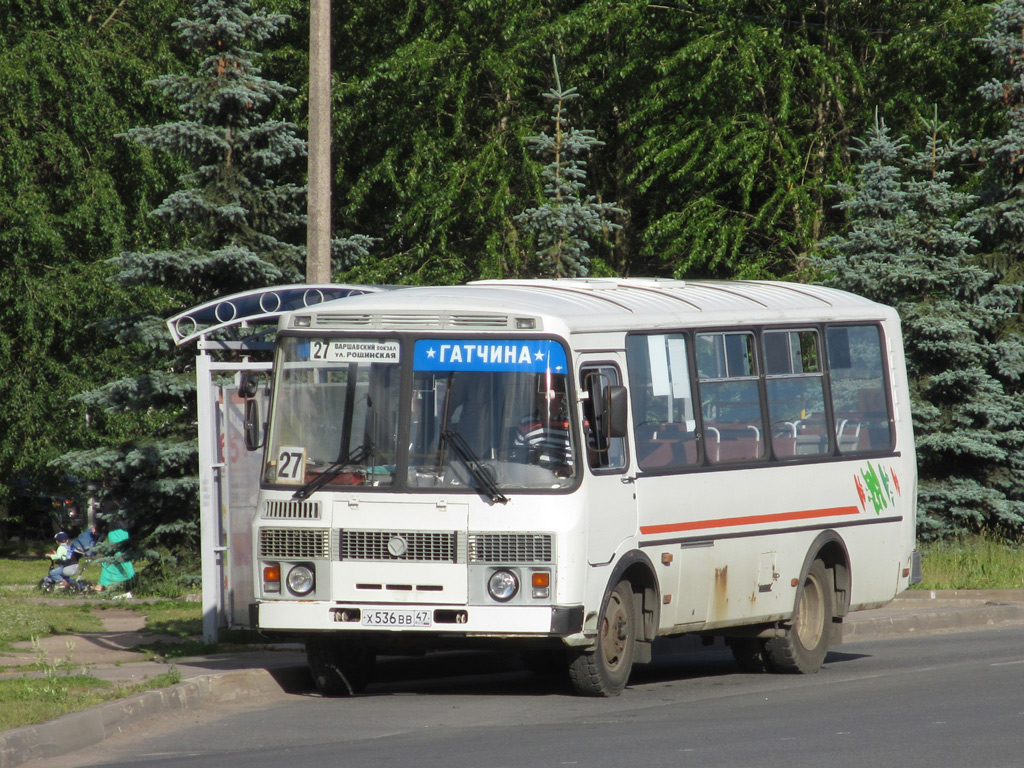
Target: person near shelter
(88, 539)
(117, 571)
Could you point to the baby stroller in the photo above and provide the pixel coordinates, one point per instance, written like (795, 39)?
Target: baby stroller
(74, 585)
(68, 568)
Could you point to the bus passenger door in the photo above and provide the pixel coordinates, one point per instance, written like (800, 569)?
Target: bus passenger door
(670, 496)
(610, 504)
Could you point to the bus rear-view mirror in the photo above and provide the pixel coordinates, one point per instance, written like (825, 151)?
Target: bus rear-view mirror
(615, 405)
(248, 384)
(252, 427)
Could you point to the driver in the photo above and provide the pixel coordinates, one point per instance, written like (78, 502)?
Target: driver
(544, 433)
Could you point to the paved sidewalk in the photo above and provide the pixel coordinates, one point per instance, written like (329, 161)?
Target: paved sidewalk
(112, 655)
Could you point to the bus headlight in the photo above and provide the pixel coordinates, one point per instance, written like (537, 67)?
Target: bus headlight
(300, 580)
(502, 585)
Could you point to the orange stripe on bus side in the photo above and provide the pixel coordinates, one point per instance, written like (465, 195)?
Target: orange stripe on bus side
(726, 522)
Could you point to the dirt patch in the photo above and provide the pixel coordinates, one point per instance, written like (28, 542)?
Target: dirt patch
(117, 643)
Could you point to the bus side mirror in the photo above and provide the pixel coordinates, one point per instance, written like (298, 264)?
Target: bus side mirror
(252, 429)
(615, 411)
(248, 384)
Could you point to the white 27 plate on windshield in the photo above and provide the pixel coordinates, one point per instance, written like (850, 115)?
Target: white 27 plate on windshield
(398, 618)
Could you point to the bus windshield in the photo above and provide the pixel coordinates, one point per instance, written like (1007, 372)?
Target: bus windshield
(335, 412)
(478, 416)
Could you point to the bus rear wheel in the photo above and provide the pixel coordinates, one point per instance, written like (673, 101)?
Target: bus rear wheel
(339, 666)
(604, 670)
(802, 647)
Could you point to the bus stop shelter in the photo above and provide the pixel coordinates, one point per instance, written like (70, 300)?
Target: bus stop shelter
(233, 335)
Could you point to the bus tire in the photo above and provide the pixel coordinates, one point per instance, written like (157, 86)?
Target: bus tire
(604, 670)
(339, 667)
(750, 655)
(802, 647)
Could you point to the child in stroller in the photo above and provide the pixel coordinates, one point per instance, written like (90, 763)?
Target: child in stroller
(65, 565)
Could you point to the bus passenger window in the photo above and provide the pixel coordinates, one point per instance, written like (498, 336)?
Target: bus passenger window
(664, 424)
(796, 394)
(860, 397)
(730, 400)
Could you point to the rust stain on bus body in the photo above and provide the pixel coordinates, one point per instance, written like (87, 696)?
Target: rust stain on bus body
(721, 596)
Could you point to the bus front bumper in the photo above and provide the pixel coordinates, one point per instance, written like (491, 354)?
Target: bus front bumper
(464, 621)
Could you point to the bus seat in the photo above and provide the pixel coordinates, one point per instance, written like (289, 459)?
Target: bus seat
(784, 447)
(665, 445)
(848, 433)
(734, 442)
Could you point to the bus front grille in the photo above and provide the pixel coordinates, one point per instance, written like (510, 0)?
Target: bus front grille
(510, 548)
(295, 543)
(292, 510)
(408, 546)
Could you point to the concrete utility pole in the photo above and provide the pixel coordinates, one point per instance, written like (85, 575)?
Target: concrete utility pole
(318, 212)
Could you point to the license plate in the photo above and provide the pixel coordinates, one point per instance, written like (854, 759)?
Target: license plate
(398, 618)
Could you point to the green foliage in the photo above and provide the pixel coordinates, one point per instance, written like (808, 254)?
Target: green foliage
(725, 134)
(723, 126)
(569, 218)
(999, 221)
(436, 85)
(908, 247)
(233, 224)
(70, 196)
(234, 213)
(744, 125)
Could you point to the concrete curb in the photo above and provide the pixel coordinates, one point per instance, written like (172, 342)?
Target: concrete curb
(94, 725)
(928, 622)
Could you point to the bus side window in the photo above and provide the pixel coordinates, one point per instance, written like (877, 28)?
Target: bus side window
(730, 397)
(860, 397)
(602, 452)
(796, 394)
(664, 425)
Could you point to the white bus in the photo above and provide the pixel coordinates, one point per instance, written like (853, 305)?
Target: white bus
(574, 468)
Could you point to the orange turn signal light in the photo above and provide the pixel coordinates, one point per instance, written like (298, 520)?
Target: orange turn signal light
(541, 579)
(272, 573)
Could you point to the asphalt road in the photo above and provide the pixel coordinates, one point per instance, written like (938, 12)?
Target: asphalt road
(935, 701)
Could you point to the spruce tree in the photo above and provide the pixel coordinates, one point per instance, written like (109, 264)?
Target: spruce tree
(564, 224)
(233, 225)
(907, 247)
(999, 220)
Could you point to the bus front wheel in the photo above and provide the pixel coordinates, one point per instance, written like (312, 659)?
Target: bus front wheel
(339, 666)
(802, 647)
(604, 670)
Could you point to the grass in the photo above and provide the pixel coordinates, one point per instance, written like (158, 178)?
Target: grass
(21, 618)
(61, 689)
(22, 571)
(972, 563)
(43, 691)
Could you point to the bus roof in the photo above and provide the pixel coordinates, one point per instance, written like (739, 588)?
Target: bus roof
(582, 305)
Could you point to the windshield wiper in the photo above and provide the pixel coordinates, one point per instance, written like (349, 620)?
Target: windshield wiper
(358, 455)
(483, 478)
